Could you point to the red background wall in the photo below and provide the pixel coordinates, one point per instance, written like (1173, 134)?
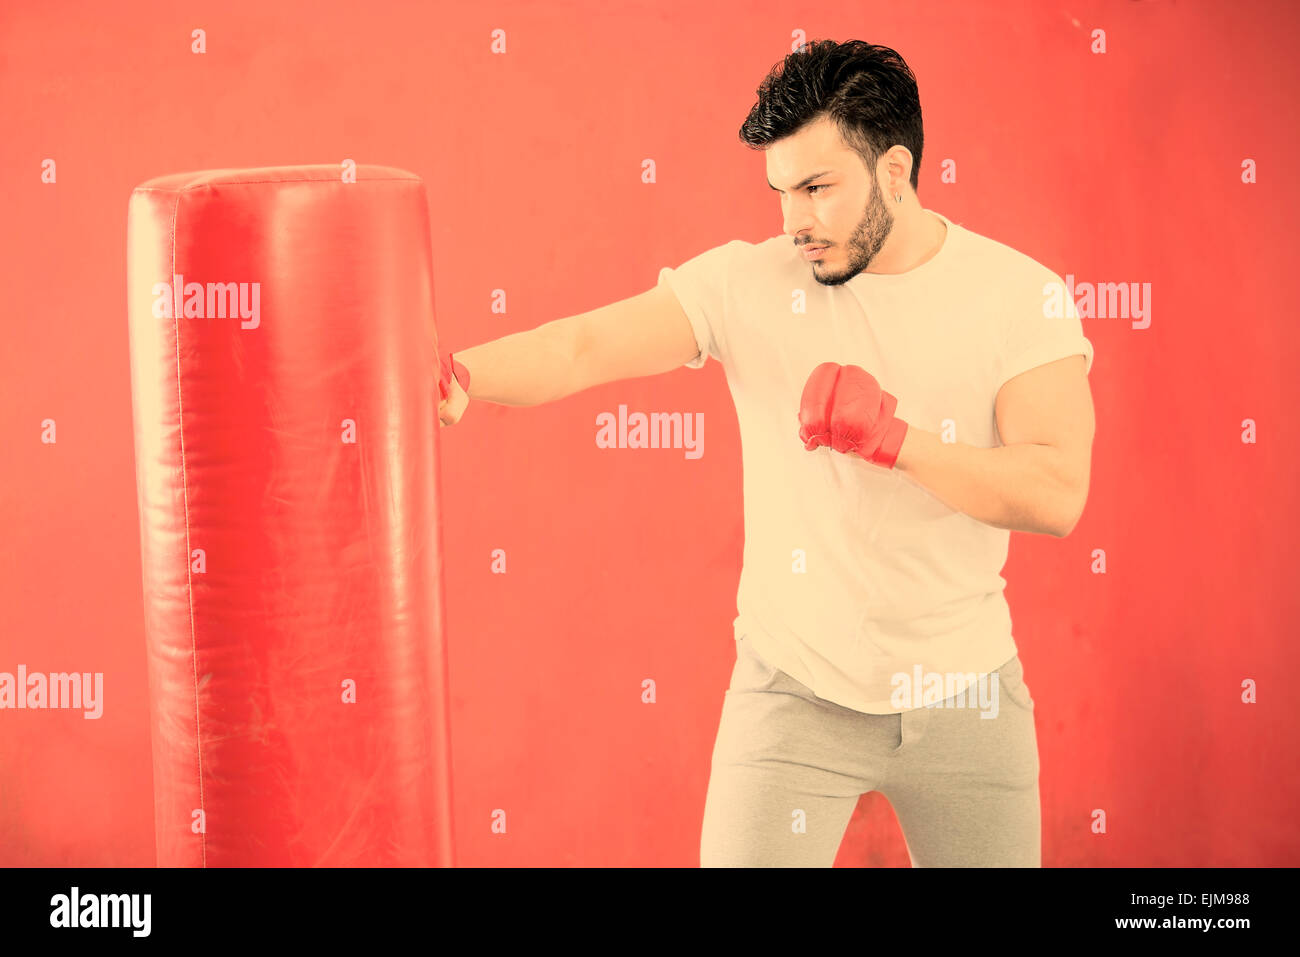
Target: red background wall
(622, 564)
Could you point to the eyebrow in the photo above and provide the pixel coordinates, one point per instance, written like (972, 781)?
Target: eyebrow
(806, 180)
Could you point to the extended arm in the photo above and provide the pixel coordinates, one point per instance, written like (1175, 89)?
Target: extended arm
(643, 335)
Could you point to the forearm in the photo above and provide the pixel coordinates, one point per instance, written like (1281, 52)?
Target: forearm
(1019, 487)
(524, 368)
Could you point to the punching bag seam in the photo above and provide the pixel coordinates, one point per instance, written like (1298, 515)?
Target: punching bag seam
(189, 567)
(178, 191)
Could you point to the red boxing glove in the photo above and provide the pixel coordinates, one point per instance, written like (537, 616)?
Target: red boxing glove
(446, 368)
(845, 408)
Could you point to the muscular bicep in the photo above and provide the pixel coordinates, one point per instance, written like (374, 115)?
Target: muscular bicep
(644, 335)
(1051, 404)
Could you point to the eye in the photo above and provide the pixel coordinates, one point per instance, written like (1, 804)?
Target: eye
(819, 186)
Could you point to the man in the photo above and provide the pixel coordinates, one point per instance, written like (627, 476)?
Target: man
(906, 397)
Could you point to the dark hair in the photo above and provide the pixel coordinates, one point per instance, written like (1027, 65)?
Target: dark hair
(868, 91)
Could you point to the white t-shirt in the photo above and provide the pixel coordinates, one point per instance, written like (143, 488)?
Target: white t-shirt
(854, 573)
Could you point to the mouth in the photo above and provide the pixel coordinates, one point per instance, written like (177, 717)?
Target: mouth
(813, 252)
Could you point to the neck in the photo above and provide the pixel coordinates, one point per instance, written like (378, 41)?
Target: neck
(916, 238)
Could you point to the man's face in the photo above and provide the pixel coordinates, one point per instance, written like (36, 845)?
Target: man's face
(829, 199)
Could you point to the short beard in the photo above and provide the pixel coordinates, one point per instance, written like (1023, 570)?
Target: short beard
(865, 243)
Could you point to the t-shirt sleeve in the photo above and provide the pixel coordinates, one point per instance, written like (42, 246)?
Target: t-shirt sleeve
(1042, 326)
(700, 285)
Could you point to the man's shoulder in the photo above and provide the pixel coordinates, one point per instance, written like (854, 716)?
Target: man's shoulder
(996, 258)
(764, 257)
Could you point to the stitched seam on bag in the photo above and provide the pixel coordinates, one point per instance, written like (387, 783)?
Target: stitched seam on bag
(189, 565)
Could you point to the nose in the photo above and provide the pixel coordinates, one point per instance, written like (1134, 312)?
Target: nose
(796, 219)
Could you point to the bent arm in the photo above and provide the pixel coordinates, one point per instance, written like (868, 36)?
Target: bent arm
(1038, 480)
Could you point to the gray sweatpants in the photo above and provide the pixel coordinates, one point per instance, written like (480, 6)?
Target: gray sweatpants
(788, 768)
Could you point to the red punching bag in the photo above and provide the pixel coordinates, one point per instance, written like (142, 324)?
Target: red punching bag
(284, 383)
